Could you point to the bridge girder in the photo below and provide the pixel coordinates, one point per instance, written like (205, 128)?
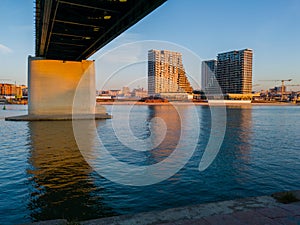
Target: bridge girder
(76, 29)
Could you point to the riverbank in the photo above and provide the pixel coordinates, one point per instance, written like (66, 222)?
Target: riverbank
(13, 101)
(198, 103)
(254, 210)
(181, 103)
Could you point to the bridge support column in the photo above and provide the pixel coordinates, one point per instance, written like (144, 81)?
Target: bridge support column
(54, 85)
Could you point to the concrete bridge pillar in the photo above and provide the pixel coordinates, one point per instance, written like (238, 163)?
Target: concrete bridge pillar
(54, 85)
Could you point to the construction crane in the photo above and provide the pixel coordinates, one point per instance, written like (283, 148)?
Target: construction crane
(293, 85)
(282, 86)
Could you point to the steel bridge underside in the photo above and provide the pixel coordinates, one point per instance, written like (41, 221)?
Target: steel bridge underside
(75, 29)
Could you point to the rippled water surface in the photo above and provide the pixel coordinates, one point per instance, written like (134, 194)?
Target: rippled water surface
(43, 175)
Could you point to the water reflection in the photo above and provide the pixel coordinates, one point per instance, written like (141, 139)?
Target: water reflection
(234, 158)
(230, 170)
(62, 183)
(140, 167)
(240, 125)
(171, 119)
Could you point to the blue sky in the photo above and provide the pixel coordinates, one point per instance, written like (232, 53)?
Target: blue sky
(270, 27)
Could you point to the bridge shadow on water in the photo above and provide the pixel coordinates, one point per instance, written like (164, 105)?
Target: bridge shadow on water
(61, 182)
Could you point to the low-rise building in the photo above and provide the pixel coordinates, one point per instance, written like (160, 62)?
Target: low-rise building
(12, 90)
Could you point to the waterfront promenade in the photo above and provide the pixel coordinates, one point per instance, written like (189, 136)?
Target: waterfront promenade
(248, 211)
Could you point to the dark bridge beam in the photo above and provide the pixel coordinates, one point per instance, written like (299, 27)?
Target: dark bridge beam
(76, 29)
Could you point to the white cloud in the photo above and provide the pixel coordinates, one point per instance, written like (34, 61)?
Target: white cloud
(4, 49)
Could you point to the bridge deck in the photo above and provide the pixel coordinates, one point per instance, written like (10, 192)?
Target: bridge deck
(76, 29)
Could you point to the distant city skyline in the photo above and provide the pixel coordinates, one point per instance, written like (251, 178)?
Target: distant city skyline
(270, 28)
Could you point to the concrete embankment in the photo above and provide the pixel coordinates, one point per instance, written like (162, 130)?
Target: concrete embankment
(254, 210)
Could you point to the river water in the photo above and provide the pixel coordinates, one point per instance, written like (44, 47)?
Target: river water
(43, 174)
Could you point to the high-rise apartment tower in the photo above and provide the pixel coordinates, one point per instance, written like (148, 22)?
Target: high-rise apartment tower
(234, 71)
(166, 73)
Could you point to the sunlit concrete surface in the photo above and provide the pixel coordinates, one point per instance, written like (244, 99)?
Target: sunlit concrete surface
(53, 87)
(53, 83)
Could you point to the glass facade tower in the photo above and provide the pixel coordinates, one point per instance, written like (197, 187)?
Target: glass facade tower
(234, 71)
